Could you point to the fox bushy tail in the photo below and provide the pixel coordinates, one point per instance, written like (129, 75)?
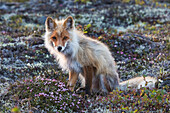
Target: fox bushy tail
(138, 82)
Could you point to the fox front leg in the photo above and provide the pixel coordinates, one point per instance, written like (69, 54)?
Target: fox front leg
(73, 76)
(88, 72)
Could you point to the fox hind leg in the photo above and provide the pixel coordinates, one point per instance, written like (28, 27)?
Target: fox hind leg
(96, 84)
(100, 84)
(104, 83)
(111, 82)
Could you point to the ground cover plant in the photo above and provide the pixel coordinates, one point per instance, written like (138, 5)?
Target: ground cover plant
(136, 31)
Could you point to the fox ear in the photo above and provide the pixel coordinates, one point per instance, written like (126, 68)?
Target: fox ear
(69, 23)
(50, 24)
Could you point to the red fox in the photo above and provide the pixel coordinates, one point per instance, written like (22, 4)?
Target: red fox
(84, 57)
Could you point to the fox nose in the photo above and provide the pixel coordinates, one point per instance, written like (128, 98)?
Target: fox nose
(59, 48)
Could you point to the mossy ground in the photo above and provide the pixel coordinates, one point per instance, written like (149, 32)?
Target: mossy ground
(136, 33)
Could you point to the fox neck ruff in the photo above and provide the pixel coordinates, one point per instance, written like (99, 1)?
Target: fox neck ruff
(66, 58)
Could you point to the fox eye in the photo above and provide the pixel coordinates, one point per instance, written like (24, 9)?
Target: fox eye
(65, 38)
(54, 37)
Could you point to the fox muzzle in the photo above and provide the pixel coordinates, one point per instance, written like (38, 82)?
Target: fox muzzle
(59, 48)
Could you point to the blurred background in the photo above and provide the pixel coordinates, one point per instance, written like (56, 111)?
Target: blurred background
(116, 15)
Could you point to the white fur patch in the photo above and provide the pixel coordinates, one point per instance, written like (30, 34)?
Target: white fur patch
(53, 44)
(65, 45)
(82, 79)
(56, 48)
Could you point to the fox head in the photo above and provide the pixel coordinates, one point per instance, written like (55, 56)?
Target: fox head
(59, 32)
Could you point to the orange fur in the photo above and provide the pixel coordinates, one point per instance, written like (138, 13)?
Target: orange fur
(60, 40)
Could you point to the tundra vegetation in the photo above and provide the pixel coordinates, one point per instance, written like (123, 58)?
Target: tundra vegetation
(136, 31)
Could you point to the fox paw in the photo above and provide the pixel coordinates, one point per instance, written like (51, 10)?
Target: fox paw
(70, 87)
(80, 90)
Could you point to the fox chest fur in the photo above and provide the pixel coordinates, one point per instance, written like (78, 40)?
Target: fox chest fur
(68, 62)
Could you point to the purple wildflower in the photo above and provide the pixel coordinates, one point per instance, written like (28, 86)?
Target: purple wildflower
(74, 94)
(31, 90)
(49, 82)
(65, 89)
(59, 90)
(42, 79)
(54, 80)
(48, 79)
(72, 103)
